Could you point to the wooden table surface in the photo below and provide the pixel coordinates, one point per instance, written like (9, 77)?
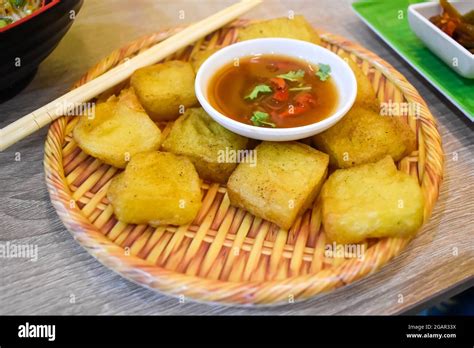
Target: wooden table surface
(67, 280)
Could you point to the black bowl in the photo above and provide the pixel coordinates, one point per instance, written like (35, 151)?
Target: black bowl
(23, 46)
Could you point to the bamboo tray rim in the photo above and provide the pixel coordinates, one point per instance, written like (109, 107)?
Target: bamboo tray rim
(198, 288)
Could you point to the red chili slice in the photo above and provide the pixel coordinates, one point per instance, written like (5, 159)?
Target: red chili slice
(303, 102)
(281, 95)
(304, 99)
(296, 111)
(278, 82)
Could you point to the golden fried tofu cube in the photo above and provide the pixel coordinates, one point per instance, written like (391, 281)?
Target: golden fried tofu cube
(364, 136)
(119, 129)
(282, 183)
(365, 92)
(156, 188)
(296, 28)
(200, 57)
(206, 143)
(165, 89)
(373, 200)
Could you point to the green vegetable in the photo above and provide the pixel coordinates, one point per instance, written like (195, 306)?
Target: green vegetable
(292, 75)
(17, 3)
(469, 17)
(324, 72)
(260, 119)
(258, 89)
(5, 21)
(302, 88)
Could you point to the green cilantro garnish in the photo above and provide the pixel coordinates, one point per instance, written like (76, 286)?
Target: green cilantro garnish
(292, 75)
(324, 72)
(17, 3)
(4, 21)
(258, 89)
(260, 119)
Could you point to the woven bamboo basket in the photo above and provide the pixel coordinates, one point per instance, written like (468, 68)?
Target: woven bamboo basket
(227, 255)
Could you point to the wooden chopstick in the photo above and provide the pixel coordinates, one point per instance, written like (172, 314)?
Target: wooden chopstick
(37, 119)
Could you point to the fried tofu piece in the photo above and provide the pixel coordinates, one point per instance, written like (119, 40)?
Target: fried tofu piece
(296, 28)
(363, 136)
(164, 89)
(156, 188)
(284, 182)
(206, 143)
(119, 129)
(365, 92)
(200, 57)
(371, 201)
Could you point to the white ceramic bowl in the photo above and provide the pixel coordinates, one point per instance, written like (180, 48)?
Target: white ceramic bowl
(341, 74)
(445, 47)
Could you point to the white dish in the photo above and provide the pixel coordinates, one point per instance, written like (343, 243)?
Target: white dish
(341, 74)
(445, 47)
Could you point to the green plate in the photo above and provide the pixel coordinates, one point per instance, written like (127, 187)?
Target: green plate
(389, 20)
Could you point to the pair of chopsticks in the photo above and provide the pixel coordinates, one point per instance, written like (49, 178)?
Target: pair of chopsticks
(39, 118)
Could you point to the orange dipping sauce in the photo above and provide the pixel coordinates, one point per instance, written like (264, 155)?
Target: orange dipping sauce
(274, 91)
